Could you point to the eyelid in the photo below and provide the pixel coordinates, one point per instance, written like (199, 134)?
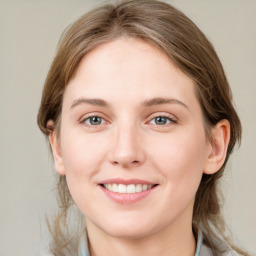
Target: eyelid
(163, 114)
(173, 119)
(93, 114)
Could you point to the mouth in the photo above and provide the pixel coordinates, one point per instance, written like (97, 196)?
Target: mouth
(127, 189)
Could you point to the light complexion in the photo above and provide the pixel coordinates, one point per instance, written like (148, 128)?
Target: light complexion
(133, 148)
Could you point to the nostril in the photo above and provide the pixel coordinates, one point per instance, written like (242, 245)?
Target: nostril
(125, 163)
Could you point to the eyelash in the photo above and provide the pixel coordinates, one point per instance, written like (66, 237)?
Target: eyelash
(169, 119)
(88, 118)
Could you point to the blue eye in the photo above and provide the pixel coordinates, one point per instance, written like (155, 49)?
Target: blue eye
(161, 120)
(94, 120)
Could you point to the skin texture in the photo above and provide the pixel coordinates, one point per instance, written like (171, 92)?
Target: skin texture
(128, 143)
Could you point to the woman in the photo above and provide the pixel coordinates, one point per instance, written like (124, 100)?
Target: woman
(140, 120)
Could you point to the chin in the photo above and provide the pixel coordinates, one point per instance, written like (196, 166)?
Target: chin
(128, 229)
(129, 233)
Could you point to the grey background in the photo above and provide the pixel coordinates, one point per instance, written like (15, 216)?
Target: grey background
(29, 32)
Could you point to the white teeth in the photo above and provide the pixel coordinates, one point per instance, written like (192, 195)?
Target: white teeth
(138, 188)
(129, 189)
(144, 187)
(114, 188)
(121, 188)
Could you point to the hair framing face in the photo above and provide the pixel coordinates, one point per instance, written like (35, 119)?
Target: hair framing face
(166, 28)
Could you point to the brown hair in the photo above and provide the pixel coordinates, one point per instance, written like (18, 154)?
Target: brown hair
(166, 28)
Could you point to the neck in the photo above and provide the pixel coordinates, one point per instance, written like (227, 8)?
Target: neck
(167, 241)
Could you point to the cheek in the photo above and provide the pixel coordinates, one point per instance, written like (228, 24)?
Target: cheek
(82, 158)
(181, 160)
(82, 154)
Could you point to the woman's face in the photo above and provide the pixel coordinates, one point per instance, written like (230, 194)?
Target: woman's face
(132, 141)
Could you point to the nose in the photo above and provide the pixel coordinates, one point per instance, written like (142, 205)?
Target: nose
(127, 148)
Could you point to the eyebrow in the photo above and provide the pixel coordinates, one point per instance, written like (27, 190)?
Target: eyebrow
(146, 103)
(161, 101)
(96, 102)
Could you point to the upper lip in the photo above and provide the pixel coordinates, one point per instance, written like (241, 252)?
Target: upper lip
(126, 182)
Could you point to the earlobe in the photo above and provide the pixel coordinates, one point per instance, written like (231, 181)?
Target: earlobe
(219, 144)
(56, 151)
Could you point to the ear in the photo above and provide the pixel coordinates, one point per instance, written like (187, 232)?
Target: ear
(56, 149)
(220, 136)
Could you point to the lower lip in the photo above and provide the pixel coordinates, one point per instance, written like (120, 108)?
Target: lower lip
(127, 198)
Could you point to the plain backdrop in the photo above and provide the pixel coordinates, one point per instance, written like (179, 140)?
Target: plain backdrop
(29, 33)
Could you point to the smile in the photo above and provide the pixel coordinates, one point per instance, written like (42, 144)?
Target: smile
(127, 189)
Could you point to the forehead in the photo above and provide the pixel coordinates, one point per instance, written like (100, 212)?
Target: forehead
(131, 68)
